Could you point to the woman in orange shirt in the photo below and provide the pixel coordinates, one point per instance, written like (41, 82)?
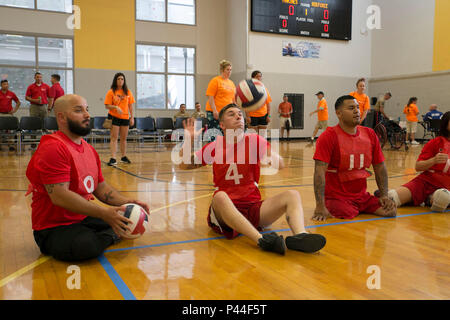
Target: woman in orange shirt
(221, 92)
(362, 98)
(411, 112)
(119, 101)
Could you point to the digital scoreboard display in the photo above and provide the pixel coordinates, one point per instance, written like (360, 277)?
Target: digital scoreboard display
(327, 19)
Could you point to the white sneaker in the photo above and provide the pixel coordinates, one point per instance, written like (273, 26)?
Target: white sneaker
(441, 200)
(414, 142)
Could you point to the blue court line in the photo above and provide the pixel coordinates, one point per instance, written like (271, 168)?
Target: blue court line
(128, 295)
(116, 279)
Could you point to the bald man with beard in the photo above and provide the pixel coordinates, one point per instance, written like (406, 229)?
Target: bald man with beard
(65, 174)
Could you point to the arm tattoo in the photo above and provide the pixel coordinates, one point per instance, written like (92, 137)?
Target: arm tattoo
(108, 196)
(50, 187)
(381, 177)
(319, 181)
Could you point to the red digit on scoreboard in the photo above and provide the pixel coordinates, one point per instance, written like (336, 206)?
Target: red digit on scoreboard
(326, 14)
(284, 23)
(291, 10)
(325, 27)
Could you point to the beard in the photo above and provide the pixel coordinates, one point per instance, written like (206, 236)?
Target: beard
(77, 129)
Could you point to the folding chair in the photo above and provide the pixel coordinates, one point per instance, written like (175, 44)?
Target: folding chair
(32, 127)
(9, 128)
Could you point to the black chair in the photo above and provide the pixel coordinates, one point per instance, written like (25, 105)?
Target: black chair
(145, 128)
(98, 131)
(164, 127)
(31, 127)
(50, 125)
(179, 123)
(9, 130)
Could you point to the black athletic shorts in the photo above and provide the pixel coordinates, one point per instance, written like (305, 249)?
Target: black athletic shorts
(119, 122)
(258, 121)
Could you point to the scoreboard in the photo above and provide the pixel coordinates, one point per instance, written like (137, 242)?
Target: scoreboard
(327, 19)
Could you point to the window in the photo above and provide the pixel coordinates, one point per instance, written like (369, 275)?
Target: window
(173, 11)
(22, 55)
(165, 77)
(50, 5)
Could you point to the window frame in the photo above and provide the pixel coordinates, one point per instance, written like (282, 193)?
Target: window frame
(36, 8)
(166, 73)
(166, 20)
(36, 67)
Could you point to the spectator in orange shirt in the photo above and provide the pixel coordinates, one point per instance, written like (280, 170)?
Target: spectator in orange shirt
(322, 114)
(362, 98)
(221, 91)
(119, 101)
(411, 112)
(259, 119)
(285, 110)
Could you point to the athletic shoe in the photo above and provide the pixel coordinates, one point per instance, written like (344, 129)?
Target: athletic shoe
(272, 242)
(414, 142)
(306, 242)
(125, 160)
(112, 162)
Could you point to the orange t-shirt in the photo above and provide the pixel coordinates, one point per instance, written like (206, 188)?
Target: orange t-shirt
(261, 112)
(285, 108)
(118, 98)
(363, 101)
(223, 91)
(322, 114)
(411, 112)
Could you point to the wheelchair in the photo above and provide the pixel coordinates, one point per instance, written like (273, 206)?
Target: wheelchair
(386, 130)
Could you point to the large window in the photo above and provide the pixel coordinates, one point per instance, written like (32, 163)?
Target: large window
(165, 77)
(50, 5)
(173, 11)
(21, 56)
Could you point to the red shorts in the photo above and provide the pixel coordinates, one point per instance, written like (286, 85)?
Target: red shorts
(250, 211)
(420, 189)
(350, 208)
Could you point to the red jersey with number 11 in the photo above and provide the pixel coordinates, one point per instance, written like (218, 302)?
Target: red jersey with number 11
(236, 166)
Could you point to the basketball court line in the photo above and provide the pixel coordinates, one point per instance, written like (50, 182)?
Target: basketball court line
(128, 295)
(23, 270)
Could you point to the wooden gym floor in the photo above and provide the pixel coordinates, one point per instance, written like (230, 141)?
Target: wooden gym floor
(181, 258)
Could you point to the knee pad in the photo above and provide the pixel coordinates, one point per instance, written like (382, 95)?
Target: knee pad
(441, 200)
(393, 195)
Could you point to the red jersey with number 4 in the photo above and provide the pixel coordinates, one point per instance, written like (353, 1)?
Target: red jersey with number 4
(236, 166)
(348, 156)
(439, 174)
(58, 159)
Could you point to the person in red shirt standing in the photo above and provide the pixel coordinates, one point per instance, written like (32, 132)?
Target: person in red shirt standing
(37, 94)
(65, 174)
(285, 110)
(343, 155)
(236, 206)
(433, 184)
(56, 91)
(6, 99)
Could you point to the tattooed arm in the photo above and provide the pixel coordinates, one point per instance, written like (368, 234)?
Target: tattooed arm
(381, 177)
(321, 212)
(63, 197)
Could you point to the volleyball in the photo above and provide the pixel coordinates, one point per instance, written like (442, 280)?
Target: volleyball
(251, 94)
(139, 218)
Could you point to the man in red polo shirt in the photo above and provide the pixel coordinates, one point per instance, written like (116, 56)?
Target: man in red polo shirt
(343, 155)
(56, 91)
(6, 99)
(37, 94)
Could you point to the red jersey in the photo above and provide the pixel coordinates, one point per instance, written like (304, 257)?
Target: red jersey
(328, 149)
(6, 100)
(439, 174)
(34, 92)
(56, 91)
(236, 166)
(58, 159)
